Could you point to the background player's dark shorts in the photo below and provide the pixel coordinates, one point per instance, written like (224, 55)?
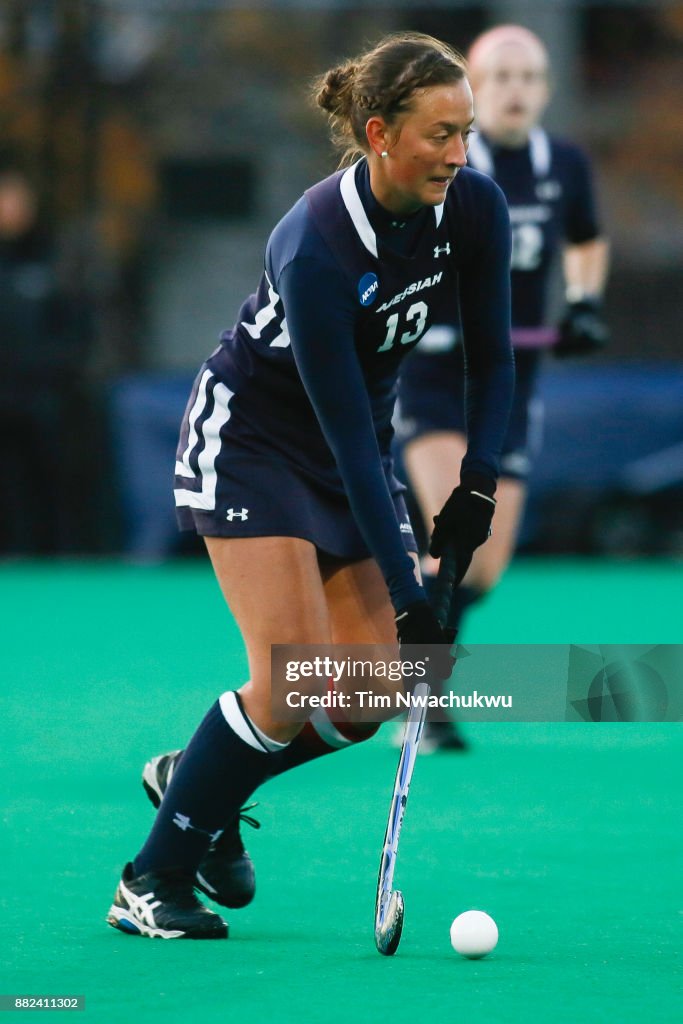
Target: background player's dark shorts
(230, 485)
(432, 398)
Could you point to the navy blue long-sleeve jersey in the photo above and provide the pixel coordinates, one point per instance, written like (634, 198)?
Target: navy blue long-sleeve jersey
(347, 291)
(549, 189)
(548, 186)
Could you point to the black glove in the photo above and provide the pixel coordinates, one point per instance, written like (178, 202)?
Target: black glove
(465, 520)
(582, 329)
(417, 624)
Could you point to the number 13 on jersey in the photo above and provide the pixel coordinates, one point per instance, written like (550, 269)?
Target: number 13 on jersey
(417, 313)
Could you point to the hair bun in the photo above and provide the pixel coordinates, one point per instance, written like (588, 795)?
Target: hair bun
(335, 93)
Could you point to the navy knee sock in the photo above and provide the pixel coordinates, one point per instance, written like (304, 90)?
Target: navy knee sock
(224, 762)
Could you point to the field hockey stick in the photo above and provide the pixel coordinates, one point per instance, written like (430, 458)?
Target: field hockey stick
(389, 904)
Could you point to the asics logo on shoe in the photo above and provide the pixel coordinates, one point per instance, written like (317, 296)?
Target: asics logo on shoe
(141, 906)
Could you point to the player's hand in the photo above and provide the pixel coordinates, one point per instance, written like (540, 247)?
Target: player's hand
(582, 329)
(417, 624)
(464, 521)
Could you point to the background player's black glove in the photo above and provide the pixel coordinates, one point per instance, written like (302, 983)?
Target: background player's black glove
(465, 520)
(417, 624)
(582, 330)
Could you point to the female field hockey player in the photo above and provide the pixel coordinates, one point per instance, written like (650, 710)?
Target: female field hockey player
(547, 183)
(284, 463)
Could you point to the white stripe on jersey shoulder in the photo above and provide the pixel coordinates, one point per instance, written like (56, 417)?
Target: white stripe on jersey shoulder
(539, 149)
(263, 315)
(356, 211)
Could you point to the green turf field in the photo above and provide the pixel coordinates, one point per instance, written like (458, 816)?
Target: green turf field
(569, 835)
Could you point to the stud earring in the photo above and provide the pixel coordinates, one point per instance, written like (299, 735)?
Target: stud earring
(384, 154)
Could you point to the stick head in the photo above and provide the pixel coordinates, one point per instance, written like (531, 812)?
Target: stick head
(389, 924)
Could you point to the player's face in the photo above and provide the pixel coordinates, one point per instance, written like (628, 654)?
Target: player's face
(426, 148)
(511, 92)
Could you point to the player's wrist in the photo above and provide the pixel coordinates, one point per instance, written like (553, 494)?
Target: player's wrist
(417, 624)
(478, 482)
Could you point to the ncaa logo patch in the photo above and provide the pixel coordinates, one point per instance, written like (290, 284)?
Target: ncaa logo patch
(368, 289)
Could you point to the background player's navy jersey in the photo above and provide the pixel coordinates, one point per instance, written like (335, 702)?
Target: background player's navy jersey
(549, 190)
(548, 187)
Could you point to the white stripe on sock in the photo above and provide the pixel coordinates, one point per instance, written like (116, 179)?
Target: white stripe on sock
(327, 731)
(232, 714)
(242, 725)
(270, 744)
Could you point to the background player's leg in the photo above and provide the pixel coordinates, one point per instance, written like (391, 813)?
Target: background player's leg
(433, 463)
(492, 559)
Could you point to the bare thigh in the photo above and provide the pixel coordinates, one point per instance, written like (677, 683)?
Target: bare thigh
(275, 592)
(358, 602)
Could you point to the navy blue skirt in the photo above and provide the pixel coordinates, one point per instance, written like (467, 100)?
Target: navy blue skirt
(230, 482)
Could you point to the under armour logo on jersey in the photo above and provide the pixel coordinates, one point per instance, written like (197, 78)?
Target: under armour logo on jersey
(438, 249)
(234, 514)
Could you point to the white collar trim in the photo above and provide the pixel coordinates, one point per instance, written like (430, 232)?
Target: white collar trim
(356, 210)
(479, 154)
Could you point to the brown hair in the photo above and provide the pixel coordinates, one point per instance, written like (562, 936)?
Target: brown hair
(381, 83)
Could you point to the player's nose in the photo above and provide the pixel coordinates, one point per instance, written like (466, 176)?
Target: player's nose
(457, 152)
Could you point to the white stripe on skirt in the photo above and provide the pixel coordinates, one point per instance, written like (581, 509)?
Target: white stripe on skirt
(211, 433)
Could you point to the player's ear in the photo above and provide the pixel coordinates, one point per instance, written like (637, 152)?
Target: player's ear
(377, 134)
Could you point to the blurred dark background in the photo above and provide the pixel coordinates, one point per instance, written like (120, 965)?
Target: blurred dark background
(155, 144)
